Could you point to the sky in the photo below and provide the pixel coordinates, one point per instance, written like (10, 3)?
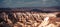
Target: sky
(28, 3)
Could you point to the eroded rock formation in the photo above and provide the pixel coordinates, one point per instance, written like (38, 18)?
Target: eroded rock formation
(25, 19)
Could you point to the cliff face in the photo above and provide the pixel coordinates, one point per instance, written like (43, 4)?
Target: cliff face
(24, 19)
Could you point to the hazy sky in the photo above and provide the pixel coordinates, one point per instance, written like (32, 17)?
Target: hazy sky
(29, 3)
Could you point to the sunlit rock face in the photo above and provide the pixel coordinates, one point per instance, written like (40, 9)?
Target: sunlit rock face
(48, 22)
(29, 19)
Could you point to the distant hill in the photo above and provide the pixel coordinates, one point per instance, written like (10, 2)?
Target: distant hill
(33, 9)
